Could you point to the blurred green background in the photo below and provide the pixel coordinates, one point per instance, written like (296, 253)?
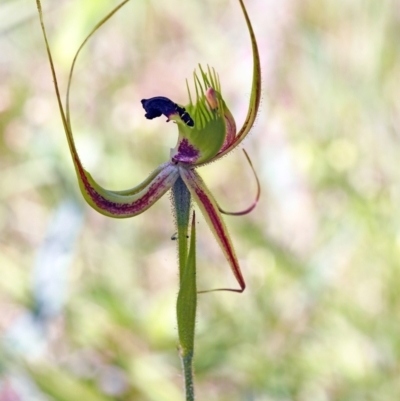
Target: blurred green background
(87, 303)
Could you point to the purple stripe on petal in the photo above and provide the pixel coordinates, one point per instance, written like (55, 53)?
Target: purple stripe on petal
(210, 211)
(121, 206)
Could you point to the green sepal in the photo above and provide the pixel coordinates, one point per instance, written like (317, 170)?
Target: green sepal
(255, 95)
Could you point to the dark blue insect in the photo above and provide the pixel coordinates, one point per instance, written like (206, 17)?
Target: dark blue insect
(156, 106)
(185, 116)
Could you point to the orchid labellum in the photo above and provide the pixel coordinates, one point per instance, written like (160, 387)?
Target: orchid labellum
(207, 131)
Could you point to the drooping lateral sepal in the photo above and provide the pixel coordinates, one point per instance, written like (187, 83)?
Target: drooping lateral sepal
(209, 209)
(128, 203)
(118, 204)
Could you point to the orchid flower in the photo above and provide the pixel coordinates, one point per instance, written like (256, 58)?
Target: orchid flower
(207, 132)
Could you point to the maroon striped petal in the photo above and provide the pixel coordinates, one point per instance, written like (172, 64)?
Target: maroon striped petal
(122, 204)
(117, 204)
(209, 208)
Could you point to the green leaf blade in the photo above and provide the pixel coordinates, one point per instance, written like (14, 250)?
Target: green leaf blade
(187, 298)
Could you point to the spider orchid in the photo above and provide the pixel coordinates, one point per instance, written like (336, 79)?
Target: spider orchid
(207, 132)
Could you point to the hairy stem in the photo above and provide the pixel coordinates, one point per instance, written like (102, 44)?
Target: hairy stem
(187, 366)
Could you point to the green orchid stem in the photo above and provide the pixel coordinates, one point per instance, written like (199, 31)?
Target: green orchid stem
(187, 366)
(187, 297)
